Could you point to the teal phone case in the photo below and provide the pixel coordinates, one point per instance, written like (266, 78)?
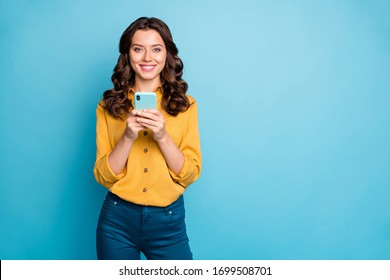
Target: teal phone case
(144, 100)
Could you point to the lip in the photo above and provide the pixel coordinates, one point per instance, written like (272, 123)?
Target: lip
(147, 67)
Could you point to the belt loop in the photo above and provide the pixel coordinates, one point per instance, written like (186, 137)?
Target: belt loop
(143, 210)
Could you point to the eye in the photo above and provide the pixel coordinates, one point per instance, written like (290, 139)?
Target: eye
(157, 49)
(137, 49)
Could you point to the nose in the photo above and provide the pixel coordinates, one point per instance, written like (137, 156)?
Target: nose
(147, 56)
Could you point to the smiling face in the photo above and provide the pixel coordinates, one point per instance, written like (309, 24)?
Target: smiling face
(147, 58)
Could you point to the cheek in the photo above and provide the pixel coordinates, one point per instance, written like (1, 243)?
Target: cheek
(134, 58)
(134, 62)
(161, 58)
(133, 65)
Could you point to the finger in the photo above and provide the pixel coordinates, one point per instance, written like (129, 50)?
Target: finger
(153, 111)
(135, 112)
(135, 126)
(147, 122)
(132, 122)
(148, 115)
(131, 114)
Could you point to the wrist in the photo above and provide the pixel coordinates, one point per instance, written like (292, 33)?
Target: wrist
(129, 137)
(161, 139)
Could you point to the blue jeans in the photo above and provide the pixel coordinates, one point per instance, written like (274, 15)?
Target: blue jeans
(126, 229)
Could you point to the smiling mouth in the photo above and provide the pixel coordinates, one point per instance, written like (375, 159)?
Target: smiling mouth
(147, 68)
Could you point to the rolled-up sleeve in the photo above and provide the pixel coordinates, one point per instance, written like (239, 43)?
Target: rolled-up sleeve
(102, 170)
(190, 147)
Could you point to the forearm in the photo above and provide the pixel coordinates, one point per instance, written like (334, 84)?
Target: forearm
(119, 155)
(173, 156)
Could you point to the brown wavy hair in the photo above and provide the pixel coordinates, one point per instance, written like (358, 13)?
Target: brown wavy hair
(174, 88)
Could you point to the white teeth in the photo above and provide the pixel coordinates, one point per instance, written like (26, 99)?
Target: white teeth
(148, 67)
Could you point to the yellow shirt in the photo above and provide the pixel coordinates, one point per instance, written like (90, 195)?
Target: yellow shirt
(146, 178)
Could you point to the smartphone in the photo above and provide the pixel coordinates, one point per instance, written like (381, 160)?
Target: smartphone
(145, 100)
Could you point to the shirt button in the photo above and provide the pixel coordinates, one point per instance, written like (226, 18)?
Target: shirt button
(145, 133)
(145, 170)
(144, 190)
(146, 150)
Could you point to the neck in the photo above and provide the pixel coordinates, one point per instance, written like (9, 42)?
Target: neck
(146, 85)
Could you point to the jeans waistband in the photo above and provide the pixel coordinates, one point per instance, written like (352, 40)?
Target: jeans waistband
(179, 203)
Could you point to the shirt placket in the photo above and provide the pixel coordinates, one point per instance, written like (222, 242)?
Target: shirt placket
(146, 161)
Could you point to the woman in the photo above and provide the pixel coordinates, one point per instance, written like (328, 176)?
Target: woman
(146, 159)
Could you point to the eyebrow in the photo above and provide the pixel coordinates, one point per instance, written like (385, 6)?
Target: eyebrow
(155, 45)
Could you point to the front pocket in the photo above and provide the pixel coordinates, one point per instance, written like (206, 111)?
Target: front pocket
(176, 212)
(109, 202)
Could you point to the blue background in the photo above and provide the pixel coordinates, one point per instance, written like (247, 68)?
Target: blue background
(294, 112)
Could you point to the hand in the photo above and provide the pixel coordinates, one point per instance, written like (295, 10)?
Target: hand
(152, 119)
(133, 127)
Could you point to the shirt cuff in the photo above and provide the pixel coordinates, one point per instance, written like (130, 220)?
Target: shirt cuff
(108, 175)
(184, 176)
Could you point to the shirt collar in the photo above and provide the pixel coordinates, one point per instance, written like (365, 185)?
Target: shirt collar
(158, 89)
